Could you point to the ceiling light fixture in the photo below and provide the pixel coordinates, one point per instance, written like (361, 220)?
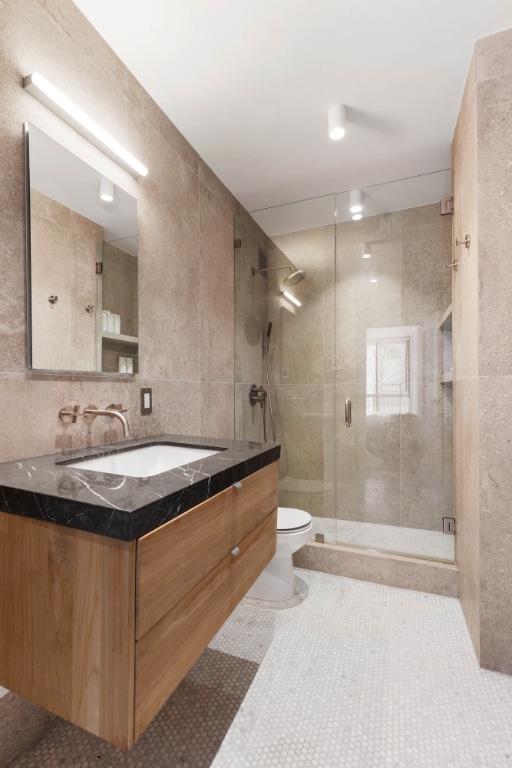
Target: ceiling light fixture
(356, 201)
(106, 190)
(337, 119)
(292, 299)
(55, 100)
(367, 254)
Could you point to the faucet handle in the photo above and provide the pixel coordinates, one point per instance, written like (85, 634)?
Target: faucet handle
(90, 416)
(116, 407)
(68, 414)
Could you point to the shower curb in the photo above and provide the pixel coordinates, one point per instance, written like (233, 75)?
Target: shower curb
(380, 568)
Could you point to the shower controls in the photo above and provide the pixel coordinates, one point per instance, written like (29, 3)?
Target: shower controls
(257, 395)
(348, 412)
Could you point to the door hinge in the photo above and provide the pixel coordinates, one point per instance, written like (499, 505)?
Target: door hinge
(449, 525)
(446, 205)
(238, 243)
(99, 267)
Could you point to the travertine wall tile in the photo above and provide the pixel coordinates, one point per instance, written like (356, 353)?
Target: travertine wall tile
(53, 37)
(495, 396)
(494, 148)
(493, 55)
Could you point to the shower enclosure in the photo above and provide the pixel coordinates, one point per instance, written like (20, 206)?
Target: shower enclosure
(354, 355)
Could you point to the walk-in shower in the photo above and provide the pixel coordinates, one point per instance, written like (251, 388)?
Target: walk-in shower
(371, 330)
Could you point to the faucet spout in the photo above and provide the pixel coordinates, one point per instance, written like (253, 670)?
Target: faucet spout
(111, 410)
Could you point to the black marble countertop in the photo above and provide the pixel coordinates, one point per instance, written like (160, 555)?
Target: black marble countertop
(46, 488)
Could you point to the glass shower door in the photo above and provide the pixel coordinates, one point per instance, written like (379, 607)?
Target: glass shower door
(394, 461)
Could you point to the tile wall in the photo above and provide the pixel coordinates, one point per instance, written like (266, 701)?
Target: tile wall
(185, 245)
(482, 286)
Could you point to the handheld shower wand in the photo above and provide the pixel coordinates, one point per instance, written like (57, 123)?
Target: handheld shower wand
(265, 356)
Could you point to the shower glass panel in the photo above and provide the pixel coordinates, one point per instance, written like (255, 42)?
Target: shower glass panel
(301, 345)
(366, 343)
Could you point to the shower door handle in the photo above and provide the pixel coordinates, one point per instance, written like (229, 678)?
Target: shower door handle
(348, 412)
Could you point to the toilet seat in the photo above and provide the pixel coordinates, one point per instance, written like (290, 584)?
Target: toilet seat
(291, 520)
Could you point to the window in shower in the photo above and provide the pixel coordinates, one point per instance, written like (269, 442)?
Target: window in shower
(392, 373)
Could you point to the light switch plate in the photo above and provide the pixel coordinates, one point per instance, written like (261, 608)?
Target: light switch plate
(146, 401)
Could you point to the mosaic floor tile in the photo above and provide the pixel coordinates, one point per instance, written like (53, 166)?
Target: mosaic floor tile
(346, 675)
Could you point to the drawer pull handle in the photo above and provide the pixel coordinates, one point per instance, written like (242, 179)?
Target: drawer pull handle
(237, 486)
(235, 551)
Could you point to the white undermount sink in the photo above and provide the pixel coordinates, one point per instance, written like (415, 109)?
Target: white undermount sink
(146, 461)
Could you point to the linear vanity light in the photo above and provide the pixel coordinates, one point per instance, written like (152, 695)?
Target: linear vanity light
(55, 100)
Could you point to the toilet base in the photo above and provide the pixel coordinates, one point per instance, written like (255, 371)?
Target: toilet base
(276, 583)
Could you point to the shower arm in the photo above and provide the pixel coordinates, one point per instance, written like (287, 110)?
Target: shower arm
(270, 269)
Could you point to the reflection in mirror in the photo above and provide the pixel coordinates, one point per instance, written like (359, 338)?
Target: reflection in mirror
(82, 264)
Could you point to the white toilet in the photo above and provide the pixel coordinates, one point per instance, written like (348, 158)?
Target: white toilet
(277, 583)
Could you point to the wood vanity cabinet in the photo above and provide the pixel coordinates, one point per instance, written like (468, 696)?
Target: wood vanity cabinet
(101, 631)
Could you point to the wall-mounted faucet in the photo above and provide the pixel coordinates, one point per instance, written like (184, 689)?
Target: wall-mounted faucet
(69, 414)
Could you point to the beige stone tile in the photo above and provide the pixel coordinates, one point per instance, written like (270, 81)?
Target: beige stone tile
(218, 189)
(495, 450)
(79, 29)
(393, 570)
(176, 408)
(216, 290)
(217, 413)
(495, 227)
(467, 513)
(425, 280)
(493, 55)
(421, 216)
(152, 113)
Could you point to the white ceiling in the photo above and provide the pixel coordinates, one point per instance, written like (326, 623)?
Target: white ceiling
(249, 83)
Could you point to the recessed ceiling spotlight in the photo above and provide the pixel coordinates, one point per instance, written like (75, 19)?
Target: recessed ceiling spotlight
(357, 216)
(373, 280)
(337, 120)
(366, 251)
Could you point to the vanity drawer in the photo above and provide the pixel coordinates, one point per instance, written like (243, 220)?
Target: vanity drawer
(166, 653)
(174, 558)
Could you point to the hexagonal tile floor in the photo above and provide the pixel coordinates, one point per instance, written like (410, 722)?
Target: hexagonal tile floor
(348, 674)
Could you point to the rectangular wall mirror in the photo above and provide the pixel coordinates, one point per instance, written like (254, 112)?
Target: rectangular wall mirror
(81, 264)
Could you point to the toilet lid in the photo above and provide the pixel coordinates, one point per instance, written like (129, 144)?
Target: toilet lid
(290, 520)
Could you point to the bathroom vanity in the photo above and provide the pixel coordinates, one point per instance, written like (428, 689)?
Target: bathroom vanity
(111, 587)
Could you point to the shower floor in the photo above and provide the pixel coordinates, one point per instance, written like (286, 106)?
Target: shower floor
(386, 538)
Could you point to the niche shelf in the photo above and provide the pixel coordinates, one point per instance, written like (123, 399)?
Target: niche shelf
(445, 326)
(120, 338)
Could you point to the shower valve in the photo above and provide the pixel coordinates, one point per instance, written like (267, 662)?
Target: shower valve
(257, 395)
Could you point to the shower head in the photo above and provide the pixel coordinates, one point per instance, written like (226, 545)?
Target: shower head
(296, 276)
